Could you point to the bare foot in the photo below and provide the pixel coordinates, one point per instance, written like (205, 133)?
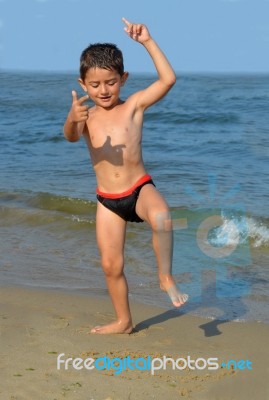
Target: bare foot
(168, 285)
(113, 327)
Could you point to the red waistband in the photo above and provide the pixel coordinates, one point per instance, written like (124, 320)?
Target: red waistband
(140, 181)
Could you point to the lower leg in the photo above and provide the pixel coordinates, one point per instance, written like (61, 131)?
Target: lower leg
(118, 290)
(163, 247)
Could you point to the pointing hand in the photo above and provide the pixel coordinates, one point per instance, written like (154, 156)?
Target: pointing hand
(137, 32)
(78, 112)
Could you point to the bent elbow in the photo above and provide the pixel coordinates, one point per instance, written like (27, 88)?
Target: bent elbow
(71, 137)
(173, 80)
(170, 81)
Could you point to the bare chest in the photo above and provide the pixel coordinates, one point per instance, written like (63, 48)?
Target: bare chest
(116, 128)
(100, 130)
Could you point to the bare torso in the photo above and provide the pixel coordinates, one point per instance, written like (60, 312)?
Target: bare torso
(114, 139)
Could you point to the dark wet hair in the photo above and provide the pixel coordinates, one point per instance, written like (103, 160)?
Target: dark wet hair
(101, 55)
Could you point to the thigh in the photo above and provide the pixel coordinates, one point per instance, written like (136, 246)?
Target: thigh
(110, 232)
(151, 204)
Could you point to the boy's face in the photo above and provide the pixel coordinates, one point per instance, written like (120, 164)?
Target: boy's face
(103, 86)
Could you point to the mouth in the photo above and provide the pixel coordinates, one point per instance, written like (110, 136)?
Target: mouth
(105, 98)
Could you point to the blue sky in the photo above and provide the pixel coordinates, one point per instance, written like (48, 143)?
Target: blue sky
(196, 35)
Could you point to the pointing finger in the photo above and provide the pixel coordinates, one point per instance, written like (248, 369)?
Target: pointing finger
(126, 22)
(74, 96)
(82, 99)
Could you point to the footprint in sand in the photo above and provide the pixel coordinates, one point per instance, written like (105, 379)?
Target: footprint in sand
(60, 322)
(135, 334)
(163, 342)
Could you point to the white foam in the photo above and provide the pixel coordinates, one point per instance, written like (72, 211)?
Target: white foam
(258, 232)
(243, 228)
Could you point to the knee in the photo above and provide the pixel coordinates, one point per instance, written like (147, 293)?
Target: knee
(112, 267)
(161, 220)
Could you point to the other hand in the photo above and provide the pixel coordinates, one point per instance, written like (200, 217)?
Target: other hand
(137, 32)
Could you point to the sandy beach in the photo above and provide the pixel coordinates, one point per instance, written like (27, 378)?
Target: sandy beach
(37, 326)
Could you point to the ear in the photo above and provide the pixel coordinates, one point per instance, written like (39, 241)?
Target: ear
(80, 81)
(124, 78)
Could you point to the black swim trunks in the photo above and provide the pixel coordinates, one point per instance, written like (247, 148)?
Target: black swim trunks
(123, 204)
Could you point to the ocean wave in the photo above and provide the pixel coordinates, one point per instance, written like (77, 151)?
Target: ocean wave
(241, 230)
(230, 227)
(37, 209)
(258, 232)
(66, 204)
(223, 228)
(14, 216)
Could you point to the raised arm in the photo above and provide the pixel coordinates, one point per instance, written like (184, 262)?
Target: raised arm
(166, 76)
(77, 116)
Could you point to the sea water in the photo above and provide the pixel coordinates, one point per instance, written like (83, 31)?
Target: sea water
(206, 145)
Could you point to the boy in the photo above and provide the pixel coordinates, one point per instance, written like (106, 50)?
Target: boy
(112, 129)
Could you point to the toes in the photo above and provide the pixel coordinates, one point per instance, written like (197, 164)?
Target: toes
(185, 297)
(177, 304)
(176, 297)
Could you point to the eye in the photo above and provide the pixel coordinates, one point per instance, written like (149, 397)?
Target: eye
(95, 86)
(111, 83)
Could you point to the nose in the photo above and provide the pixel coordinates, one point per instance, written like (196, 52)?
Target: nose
(104, 89)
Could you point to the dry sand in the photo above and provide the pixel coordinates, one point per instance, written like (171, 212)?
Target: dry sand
(36, 326)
